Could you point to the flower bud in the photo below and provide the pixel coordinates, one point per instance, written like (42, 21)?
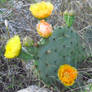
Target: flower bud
(66, 12)
(71, 13)
(27, 41)
(36, 44)
(69, 17)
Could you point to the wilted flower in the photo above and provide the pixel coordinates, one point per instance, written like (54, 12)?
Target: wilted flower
(41, 10)
(13, 47)
(44, 29)
(67, 74)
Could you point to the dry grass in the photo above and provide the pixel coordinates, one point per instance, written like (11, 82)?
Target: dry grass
(13, 73)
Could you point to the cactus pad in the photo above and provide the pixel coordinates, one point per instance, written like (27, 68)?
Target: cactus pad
(63, 47)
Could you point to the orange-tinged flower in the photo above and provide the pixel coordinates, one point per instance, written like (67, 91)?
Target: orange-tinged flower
(67, 74)
(44, 29)
(41, 10)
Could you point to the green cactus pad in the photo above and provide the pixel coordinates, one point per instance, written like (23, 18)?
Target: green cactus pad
(63, 47)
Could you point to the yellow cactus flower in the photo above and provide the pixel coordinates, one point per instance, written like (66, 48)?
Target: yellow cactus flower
(44, 29)
(67, 74)
(13, 47)
(41, 10)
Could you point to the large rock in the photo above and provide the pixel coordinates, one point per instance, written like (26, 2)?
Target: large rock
(34, 88)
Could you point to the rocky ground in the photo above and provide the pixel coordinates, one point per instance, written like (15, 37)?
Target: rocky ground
(15, 74)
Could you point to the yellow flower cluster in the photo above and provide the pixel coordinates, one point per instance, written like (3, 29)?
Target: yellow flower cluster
(41, 10)
(13, 47)
(67, 74)
(44, 29)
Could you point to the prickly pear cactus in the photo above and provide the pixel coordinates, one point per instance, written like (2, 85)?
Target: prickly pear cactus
(69, 17)
(63, 47)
